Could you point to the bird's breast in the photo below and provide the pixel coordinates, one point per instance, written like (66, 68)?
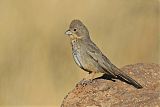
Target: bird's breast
(81, 57)
(77, 59)
(76, 51)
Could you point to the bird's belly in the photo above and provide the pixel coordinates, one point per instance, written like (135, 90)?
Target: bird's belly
(84, 62)
(91, 65)
(82, 59)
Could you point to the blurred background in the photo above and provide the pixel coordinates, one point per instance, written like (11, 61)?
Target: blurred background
(36, 64)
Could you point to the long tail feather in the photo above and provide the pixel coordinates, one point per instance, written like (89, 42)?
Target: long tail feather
(130, 80)
(125, 77)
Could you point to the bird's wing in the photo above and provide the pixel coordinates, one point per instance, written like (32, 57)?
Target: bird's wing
(103, 61)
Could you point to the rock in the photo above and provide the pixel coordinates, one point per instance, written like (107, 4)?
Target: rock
(108, 93)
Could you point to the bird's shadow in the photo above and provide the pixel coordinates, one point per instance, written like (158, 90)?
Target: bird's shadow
(112, 78)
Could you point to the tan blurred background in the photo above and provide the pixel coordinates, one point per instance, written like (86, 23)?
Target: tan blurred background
(36, 65)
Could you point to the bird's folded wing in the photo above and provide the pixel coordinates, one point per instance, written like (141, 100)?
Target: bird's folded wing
(97, 55)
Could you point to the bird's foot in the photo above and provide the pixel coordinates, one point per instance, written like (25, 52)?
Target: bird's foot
(84, 82)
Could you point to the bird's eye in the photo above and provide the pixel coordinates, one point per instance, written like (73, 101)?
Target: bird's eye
(75, 29)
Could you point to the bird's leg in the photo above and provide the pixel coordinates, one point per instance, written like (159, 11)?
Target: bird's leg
(88, 78)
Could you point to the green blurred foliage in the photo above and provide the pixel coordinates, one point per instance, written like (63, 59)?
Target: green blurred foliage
(36, 65)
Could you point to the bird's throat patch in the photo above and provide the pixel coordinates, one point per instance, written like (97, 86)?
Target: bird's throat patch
(74, 36)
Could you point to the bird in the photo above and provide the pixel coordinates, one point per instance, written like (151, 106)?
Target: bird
(89, 57)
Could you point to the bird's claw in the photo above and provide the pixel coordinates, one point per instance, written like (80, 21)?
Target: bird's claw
(84, 82)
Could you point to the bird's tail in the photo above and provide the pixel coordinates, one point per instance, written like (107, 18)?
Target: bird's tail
(125, 77)
(130, 80)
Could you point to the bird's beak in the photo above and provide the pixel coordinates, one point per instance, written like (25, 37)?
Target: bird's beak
(68, 32)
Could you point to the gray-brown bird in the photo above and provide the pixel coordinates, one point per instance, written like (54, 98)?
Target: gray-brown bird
(89, 57)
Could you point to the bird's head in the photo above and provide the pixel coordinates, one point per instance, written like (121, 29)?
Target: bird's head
(77, 30)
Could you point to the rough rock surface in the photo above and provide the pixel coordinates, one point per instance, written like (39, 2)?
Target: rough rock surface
(109, 93)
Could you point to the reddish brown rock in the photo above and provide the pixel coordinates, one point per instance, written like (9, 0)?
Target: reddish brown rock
(107, 93)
